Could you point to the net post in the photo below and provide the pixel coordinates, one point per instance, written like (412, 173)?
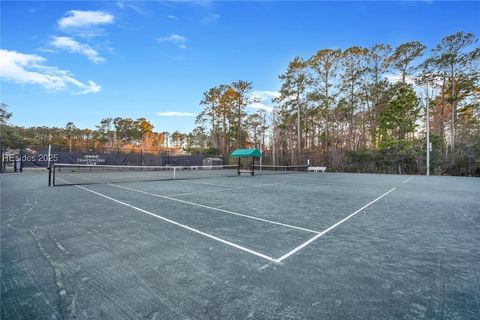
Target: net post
(49, 176)
(253, 166)
(49, 155)
(21, 161)
(174, 173)
(238, 167)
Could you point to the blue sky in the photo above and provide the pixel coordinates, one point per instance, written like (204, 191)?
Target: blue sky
(84, 61)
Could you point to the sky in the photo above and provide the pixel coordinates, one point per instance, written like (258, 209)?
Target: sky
(67, 61)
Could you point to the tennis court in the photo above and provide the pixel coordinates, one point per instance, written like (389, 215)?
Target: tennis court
(214, 245)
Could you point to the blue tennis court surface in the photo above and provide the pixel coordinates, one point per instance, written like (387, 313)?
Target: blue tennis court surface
(286, 246)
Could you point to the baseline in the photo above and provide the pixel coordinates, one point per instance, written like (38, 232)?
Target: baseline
(407, 180)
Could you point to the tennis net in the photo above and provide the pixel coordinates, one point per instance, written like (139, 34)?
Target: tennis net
(269, 169)
(82, 174)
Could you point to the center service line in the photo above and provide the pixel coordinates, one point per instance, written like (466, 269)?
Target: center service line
(258, 254)
(226, 189)
(216, 209)
(300, 247)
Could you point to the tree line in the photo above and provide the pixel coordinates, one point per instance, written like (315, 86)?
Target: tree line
(362, 109)
(357, 109)
(110, 134)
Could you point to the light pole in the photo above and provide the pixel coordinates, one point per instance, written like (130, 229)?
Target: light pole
(273, 135)
(141, 155)
(299, 142)
(428, 134)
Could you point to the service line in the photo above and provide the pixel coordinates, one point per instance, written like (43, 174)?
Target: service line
(225, 189)
(303, 245)
(258, 254)
(215, 209)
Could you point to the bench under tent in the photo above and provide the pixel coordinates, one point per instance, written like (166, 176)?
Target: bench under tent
(246, 153)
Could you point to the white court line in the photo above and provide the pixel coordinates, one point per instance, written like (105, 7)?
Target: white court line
(261, 255)
(216, 209)
(199, 192)
(408, 180)
(226, 189)
(205, 183)
(329, 182)
(300, 247)
(211, 208)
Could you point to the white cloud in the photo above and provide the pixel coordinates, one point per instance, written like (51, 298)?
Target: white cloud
(200, 3)
(260, 106)
(394, 78)
(73, 46)
(91, 88)
(262, 100)
(175, 114)
(265, 95)
(30, 69)
(420, 89)
(128, 4)
(76, 19)
(210, 18)
(172, 17)
(175, 39)
(46, 50)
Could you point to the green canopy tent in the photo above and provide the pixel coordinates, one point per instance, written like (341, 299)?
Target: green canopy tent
(246, 153)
